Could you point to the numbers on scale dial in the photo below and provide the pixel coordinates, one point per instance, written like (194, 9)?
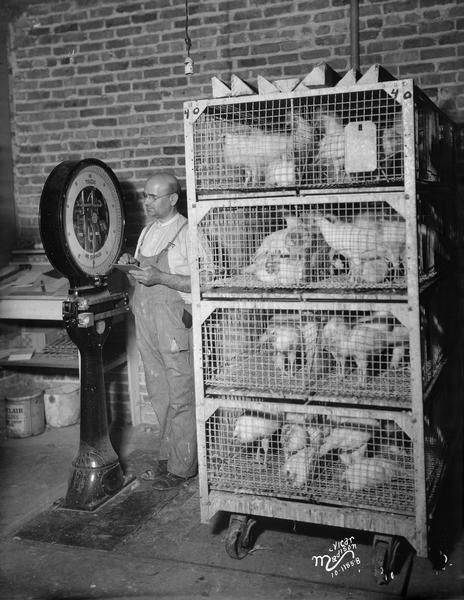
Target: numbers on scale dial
(93, 220)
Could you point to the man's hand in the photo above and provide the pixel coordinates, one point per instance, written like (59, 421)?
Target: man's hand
(149, 276)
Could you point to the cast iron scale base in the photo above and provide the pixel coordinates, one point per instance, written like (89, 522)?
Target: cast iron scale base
(82, 231)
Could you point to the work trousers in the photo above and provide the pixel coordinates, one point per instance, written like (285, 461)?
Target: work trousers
(165, 345)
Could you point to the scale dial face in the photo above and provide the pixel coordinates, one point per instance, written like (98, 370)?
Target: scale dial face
(93, 220)
(82, 220)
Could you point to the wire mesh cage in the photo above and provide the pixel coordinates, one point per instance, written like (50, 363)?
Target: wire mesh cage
(331, 353)
(319, 140)
(339, 245)
(308, 455)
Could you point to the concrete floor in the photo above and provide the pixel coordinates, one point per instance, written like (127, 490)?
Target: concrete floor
(171, 554)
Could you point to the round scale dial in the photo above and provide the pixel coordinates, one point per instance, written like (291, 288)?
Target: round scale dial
(82, 220)
(93, 220)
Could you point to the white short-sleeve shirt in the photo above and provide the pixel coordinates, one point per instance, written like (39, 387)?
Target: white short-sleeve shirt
(156, 236)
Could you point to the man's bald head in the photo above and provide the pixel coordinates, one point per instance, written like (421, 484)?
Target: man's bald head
(160, 197)
(162, 183)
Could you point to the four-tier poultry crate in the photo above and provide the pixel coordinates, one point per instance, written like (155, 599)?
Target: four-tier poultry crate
(322, 231)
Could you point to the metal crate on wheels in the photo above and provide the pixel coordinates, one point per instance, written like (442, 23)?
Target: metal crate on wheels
(323, 227)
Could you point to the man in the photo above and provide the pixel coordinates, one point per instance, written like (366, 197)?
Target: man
(163, 320)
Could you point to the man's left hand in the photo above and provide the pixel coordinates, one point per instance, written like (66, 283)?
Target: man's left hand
(149, 276)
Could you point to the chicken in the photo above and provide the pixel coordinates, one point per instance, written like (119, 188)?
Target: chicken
(266, 268)
(391, 244)
(249, 428)
(284, 337)
(293, 237)
(315, 436)
(350, 457)
(280, 172)
(359, 342)
(252, 148)
(374, 270)
(344, 439)
(400, 334)
(280, 259)
(295, 418)
(392, 148)
(365, 239)
(367, 472)
(310, 333)
(293, 437)
(331, 154)
(296, 469)
(355, 242)
(276, 269)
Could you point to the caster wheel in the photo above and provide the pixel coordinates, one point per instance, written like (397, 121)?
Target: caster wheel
(238, 541)
(379, 563)
(438, 559)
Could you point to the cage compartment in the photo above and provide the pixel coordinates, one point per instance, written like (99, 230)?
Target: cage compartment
(305, 454)
(322, 139)
(310, 141)
(329, 246)
(337, 352)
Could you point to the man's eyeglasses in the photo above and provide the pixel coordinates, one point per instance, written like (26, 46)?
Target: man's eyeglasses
(152, 197)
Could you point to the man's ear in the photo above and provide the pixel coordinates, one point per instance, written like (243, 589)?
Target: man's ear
(174, 198)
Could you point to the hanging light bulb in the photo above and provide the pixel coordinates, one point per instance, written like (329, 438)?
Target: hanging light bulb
(188, 65)
(188, 62)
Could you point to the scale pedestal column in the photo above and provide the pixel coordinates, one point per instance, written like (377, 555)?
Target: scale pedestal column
(97, 473)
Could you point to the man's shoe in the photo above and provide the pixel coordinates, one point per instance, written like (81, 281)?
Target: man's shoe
(161, 468)
(169, 481)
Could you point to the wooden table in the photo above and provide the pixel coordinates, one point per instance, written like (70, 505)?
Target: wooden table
(41, 299)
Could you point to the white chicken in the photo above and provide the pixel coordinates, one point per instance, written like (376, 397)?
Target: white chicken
(276, 269)
(367, 472)
(400, 334)
(365, 243)
(284, 336)
(250, 428)
(281, 172)
(356, 243)
(297, 468)
(348, 457)
(252, 148)
(392, 148)
(374, 270)
(391, 244)
(359, 342)
(293, 437)
(280, 259)
(331, 154)
(345, 439)
(315, 436)
(310, 333)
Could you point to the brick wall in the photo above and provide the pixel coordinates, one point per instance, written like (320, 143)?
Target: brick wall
(106, 78)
